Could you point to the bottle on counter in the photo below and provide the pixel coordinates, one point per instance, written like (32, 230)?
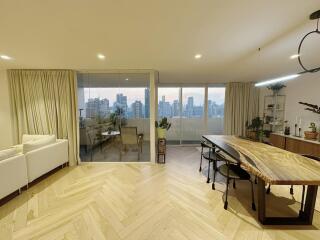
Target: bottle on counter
(286, 128)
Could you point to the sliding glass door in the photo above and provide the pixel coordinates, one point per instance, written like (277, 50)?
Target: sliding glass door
(193, 111)
(114, 114)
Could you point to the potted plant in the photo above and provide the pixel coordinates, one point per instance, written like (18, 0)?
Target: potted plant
(254, 130)
(275, 88)
(162, 127)
(311, 135)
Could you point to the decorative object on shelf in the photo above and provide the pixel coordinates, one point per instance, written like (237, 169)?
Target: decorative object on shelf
(273, 114)
(162, 127)
(311, 135)
(162, 147)
(286, 128)
(313, 16)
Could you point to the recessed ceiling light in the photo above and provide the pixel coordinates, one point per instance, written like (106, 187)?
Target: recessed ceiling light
(197, 56)
(5, 57)
(294, 56)
(101, 56)
(127, 79)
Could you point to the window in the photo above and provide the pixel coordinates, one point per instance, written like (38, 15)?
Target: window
(216, 97)
(169, 106)
(187, 108)
(192, 121)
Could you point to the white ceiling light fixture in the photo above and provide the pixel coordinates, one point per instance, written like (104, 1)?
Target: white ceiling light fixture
(313, 16)
(277, 80)
(127, 79)
(5, 57)
(101, 56)
(294, 56)
(197, 56)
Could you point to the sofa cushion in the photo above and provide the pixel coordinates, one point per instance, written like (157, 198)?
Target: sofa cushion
(8, 153)
(19, 148)
(33, 145)
(28, 137)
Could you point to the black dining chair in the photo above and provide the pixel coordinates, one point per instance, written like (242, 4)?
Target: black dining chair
(207, 152)
(231, 170)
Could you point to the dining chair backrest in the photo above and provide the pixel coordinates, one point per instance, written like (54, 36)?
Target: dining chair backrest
(204, 144)
(129, 135)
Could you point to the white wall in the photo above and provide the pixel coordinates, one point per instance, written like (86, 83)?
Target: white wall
(306, 88)
(6, 138)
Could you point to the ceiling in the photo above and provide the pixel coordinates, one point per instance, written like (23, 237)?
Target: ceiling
(163, 35)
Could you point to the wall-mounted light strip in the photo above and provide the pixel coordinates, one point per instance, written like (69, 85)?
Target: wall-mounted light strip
(277, 80)
(285, 78)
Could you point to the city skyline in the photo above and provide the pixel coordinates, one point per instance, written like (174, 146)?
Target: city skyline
(171, 93)
(137, 105)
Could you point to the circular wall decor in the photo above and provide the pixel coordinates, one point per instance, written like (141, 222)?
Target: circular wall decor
(313, 16)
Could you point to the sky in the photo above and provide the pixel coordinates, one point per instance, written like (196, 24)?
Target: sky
(132, 94)
(171, 94)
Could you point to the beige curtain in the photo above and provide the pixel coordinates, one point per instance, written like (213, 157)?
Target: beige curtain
(241, 105)
(45, 102)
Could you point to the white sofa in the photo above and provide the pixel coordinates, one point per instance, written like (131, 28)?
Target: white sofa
(13, 174)
(46, 158)
(36, 156)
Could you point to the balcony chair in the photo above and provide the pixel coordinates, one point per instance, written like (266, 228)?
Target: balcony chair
(93, 141)
(129, 137)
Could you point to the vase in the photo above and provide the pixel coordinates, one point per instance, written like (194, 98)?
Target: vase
(162, 132)
(310, 135)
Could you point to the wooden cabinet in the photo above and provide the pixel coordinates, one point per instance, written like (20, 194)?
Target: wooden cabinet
(296, 145)
(278, 141)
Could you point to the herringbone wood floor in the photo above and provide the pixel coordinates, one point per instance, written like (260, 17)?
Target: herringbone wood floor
(143, 201)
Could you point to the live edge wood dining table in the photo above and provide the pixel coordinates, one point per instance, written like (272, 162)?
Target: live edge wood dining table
(277, 167)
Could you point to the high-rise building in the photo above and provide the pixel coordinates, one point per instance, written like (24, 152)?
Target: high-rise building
(121, 102)
(97, 108)
(175, 108)
(92, 107)
(189, 107)
(136, 108)
(104, 109)
(164, 108)
(147, 103)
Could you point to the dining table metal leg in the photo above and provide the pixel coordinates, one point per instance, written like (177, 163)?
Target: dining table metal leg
(304, 218)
